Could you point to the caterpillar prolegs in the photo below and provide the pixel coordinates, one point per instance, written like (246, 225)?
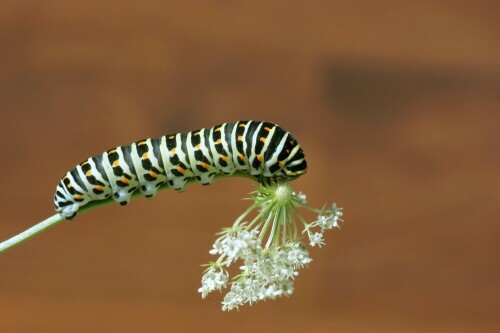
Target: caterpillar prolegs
(253, 148)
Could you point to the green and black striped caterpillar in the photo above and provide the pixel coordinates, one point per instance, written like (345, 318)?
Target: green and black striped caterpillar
(251, 148)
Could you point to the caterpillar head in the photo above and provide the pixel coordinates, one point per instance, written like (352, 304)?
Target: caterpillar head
(293, 160)
(296, 166)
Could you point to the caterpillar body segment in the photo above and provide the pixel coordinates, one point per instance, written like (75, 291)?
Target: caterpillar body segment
(260, 149)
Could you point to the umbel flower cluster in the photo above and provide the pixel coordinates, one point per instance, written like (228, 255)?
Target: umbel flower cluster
(269, 247)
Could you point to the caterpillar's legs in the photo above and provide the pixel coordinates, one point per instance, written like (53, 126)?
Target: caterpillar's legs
(264, 181)
(69, 212)
(122, 196)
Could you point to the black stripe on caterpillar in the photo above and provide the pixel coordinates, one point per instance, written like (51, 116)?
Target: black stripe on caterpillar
(244, 148)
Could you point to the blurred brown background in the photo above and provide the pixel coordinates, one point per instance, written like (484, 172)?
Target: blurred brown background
(396, 105)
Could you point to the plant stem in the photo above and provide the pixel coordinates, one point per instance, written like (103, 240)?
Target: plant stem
(27, 234)
(56, 219)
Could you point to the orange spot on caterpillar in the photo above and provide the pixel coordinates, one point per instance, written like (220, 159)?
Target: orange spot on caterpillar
(262, 139)
(259, 158)
(267, 128)
(84, 163)
(142, 143)
(69, 185)
(204, 165)
(112, 151)
(171, 137)
(224, 157)
(116, 163)
(144, 156)
(88, 173)
(197, 147)
(241, 157)
(240, 138)
(218, 142)
(180, 169)
(172, 151)
(217, 129)
(197, 133)
(242, 125)
(78, 196)
(281, 164)
(99, 187)
(124, 180)
(153, 174)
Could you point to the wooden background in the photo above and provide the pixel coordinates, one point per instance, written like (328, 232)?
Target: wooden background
(396, 105)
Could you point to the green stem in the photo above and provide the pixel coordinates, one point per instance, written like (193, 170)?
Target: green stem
(274, 227)
(258, 217)
(27, 234)
(270, 216)
(242, 216)
(56, 219)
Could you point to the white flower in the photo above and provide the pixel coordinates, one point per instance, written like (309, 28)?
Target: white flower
(298, 256)
(336, 213)
(269, 247)
(271, 292)
(232, 247)
(323, 222)
(331, 220)
(217, 248)
(316, 239)
(301, 197)
(231, 301)
(213, 280)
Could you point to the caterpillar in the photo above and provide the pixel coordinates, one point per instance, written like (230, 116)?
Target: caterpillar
(258, 149)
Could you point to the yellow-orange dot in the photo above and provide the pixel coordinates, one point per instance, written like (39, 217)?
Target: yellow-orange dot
(197, 133)
(267, 128)
(171, 137)
(204, 165)
(144, 156)
(99, 187)
(280, 164)
(259, 158)
(180, 169)
(153, 174)
(224, 157)
(78, 196)
(217, 129)
(241, 157)
(172, 151)
(262, 139)
(218, 142)
(124, 180)
(240, 138)
(141, 143)
(242, 125)
(88, 173)
(197, 147)
(69, 185)
(116, 163)
(112, 151)
(84, 163)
